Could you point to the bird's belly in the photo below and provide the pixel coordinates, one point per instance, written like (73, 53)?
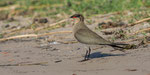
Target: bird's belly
(88, 41)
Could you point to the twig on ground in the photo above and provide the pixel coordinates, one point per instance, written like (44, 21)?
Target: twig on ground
(33, 35)
(53, 24)
(130, 40)
(132, 24)
(112, 29)
(67, 42)
(27, 64)
(13, 31)
(18, 36)
(143, 30)
(51, 33)
(12, 7)
(137, 22)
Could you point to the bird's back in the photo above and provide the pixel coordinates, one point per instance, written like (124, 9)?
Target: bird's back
(84, 35)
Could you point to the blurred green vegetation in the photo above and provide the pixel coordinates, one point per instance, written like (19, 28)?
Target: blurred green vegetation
(86, 7)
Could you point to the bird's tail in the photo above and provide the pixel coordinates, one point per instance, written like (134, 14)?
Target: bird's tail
(117, 46)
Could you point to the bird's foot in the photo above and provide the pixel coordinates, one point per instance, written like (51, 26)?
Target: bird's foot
(84, 60)
(87, 55)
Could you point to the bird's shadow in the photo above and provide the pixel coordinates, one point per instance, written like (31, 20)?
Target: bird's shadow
(100, 55)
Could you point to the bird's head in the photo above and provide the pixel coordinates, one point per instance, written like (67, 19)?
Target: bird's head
(78, 16)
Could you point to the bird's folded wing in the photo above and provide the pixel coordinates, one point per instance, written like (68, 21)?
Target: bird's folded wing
(87, 36)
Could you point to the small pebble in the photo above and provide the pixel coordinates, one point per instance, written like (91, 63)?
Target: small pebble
(57, 61)
(131, 69)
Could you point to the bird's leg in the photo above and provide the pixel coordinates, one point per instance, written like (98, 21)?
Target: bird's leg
(85, 57)
(86, 54)
(89, 53)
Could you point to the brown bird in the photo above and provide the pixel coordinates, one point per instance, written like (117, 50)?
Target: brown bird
(86, 36)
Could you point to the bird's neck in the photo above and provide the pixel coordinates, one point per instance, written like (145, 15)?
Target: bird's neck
(79, 25)
(81, 18)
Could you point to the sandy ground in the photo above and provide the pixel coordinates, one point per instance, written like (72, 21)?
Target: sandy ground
(63, 59)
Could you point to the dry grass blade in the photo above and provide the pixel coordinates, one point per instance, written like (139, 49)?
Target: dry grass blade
(54, 33)
(132, 24)
(40, 28)
(67, 42)
(143, 30)
(13, 31)
(12, 7)
(29, 30)
(130, 40)
(140, 21)
(111, 29)
(18, 36)
(17, 31)
(33, 35)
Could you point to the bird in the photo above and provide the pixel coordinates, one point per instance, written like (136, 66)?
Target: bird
(86, 36)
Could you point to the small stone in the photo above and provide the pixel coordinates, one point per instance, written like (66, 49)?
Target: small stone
(40, 20)
(57, 61)
(131, 69)
(7, 25)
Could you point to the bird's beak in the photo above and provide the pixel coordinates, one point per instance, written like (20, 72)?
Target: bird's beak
(71, 16)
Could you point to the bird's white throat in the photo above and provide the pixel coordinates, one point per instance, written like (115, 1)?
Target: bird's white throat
(76, 20)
